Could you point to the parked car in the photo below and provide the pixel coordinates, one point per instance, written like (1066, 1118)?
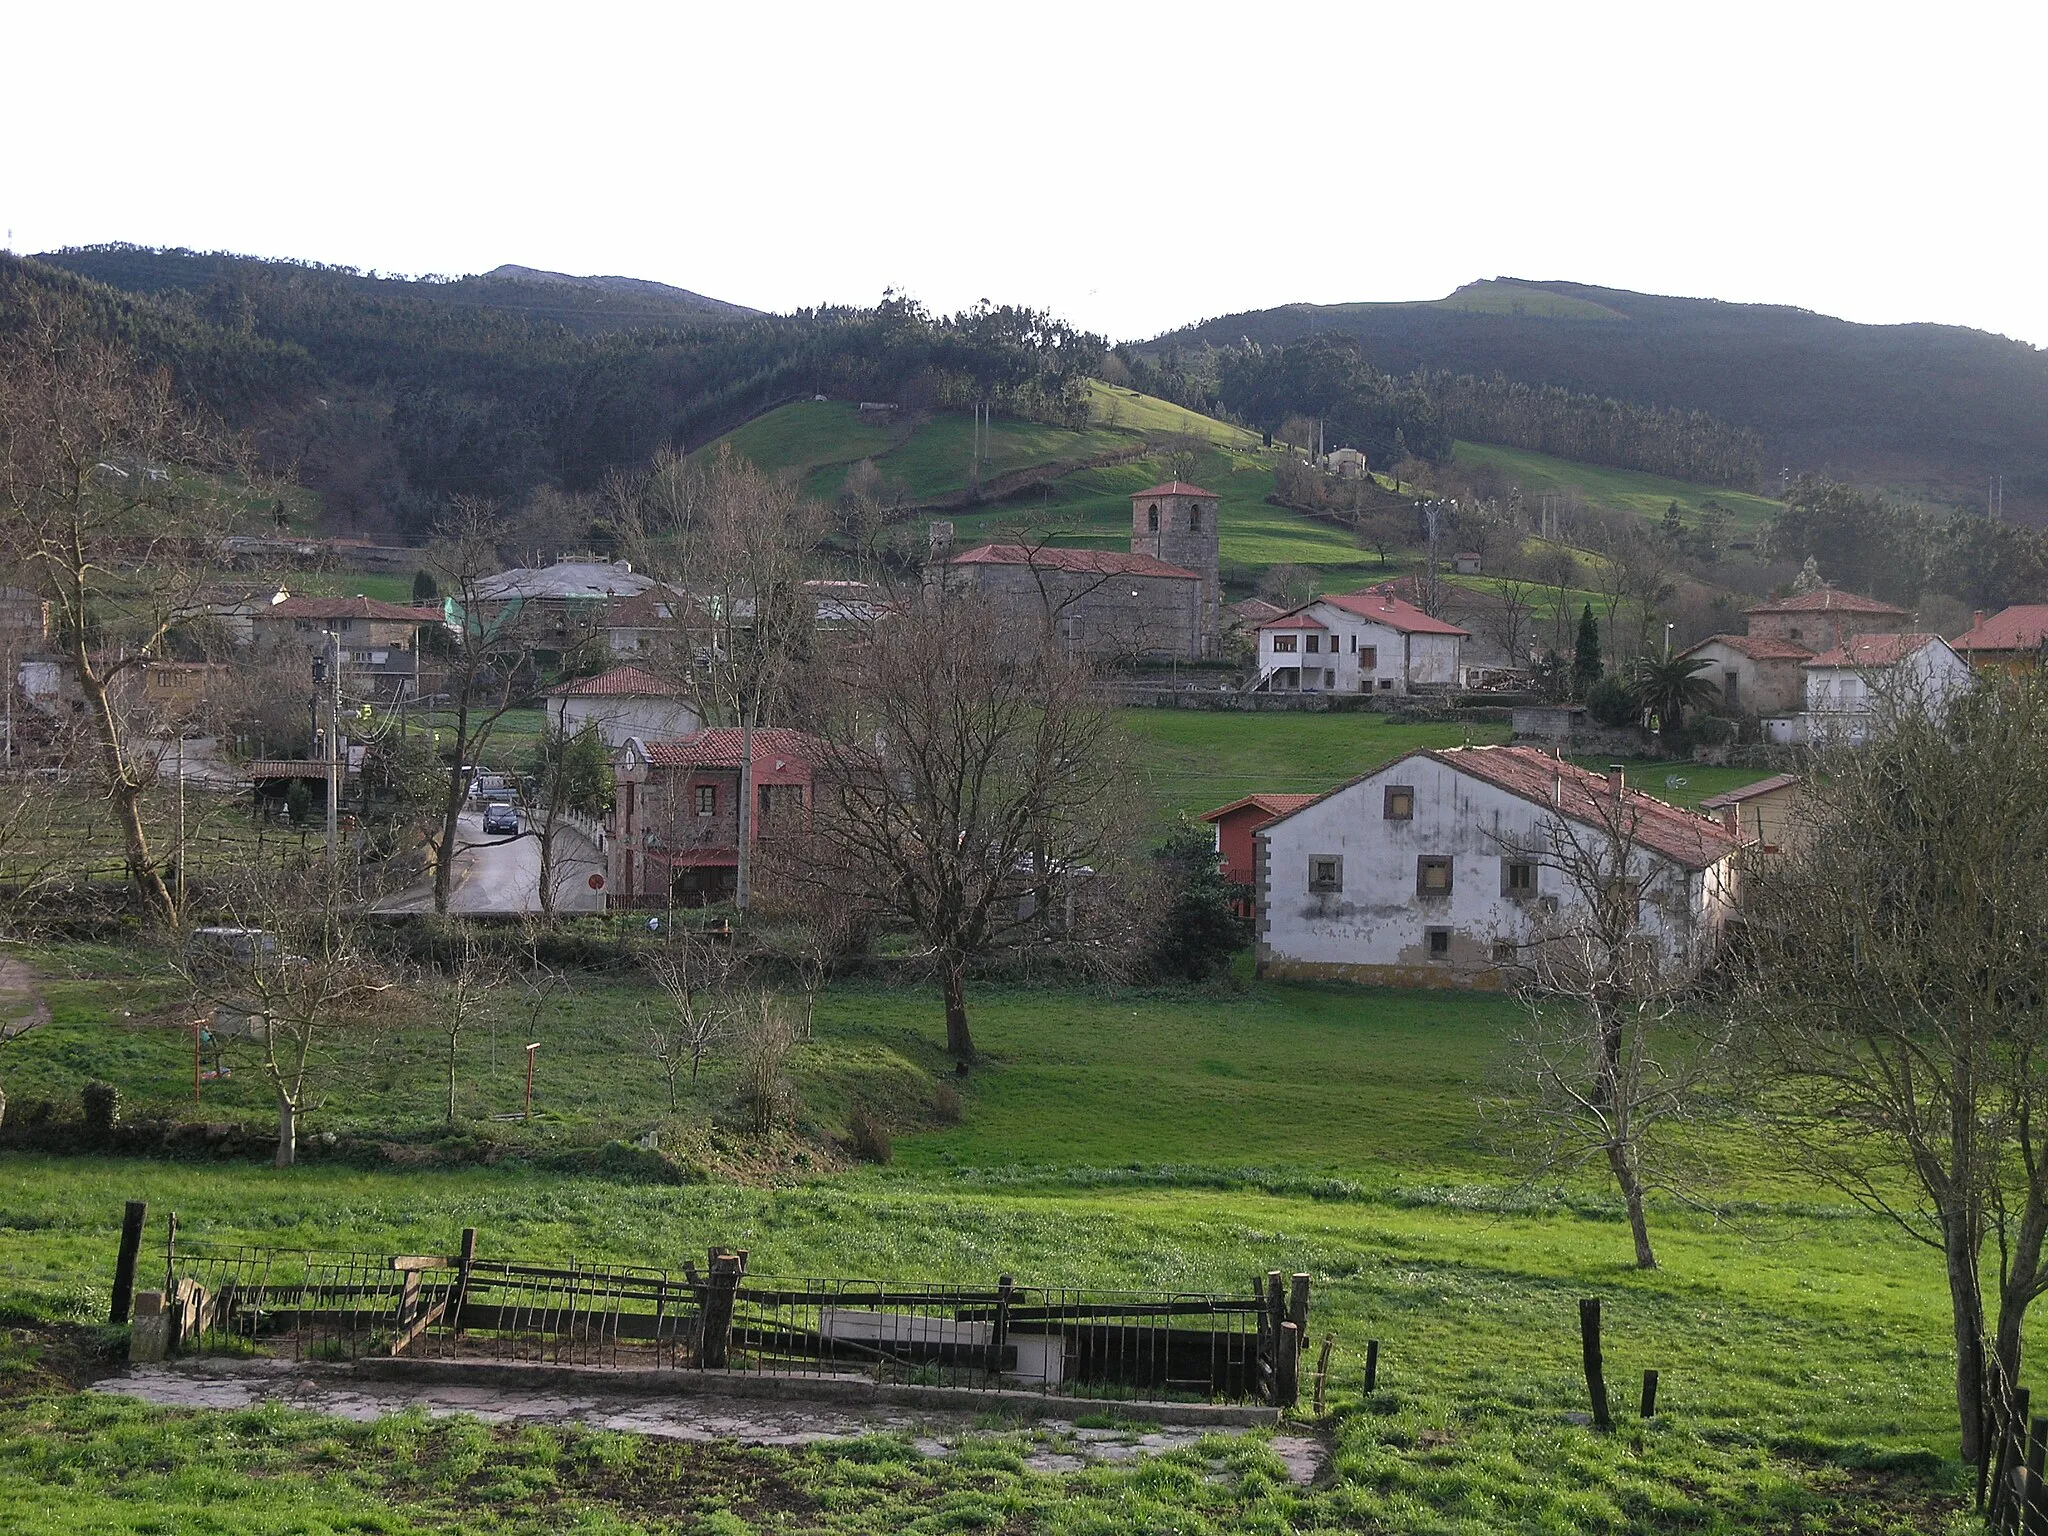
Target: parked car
(501, 820)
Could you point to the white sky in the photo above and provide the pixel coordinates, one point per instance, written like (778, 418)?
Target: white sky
(1132, 167)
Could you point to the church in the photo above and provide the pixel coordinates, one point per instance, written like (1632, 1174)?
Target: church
(1161, 602)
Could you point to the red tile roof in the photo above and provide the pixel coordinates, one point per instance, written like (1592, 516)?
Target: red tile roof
(1873, 651)
(1086, 562)
(620, 682)
(1774, 783)
(1279, 805)
(347, 608)
(2022, 627)
(1394, 612)
(721, 747)
(1827, 599)
(1175, 488)
(1756, 647)
(1299, 619)
(1684, 837)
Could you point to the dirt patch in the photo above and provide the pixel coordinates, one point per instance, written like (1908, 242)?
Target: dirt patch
(56, 1357)
(22, 1007)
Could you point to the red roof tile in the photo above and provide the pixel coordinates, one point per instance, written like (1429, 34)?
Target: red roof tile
(1300, 619)
(2022, 627)
(722, 745)
(620, 682)
(1279, 805)
(1086, 562)
(1772, 785)
(1827, 599)
(1873, 651)
(347, 608)
(1175, 488)
(1394, 612)
(1756, 647)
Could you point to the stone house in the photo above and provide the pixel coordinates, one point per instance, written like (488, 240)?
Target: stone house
(1823, 620)
(378, 641)
(623, 703)
(1755, 674)
(1361, 642)
(1431, 871)
(642, 626)
(1849, 688)
(557, 607)
(2013, 637)
(673, 836)
(1237, 825)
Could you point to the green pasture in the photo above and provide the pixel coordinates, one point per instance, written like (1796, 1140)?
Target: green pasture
(384, 586)
(1615, 490)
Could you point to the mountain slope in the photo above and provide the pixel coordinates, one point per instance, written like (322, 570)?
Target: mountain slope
(1931, 407)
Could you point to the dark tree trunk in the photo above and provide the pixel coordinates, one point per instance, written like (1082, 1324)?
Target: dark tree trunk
(959, 1043)
(1966, 1302)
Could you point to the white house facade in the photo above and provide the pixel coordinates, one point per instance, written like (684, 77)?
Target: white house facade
(1361, 642)
(1849, 689)
(624, 703)
(1437, 870)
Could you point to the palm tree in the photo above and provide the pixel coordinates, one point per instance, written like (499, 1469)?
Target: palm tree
(1670, 686)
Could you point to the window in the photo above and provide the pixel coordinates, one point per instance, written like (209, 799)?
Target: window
(1152, 519)
(1400, 802)
(1326, 872)
(1194, 519)
(1386, 685)
(1368, 655)
(1329, 677)
(1517, 879)
(1354, 645)
(1433, 877)
(1731, 689)
(707, 799)
(1284, 644)
(1439, 943)
(1315, 644)
(1795, 634)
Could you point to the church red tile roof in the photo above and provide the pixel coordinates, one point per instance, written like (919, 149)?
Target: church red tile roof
(1176, 488)
(1085, 562)
(1826, 600)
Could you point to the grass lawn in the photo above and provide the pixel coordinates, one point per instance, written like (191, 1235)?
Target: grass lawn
(385, 586)
(1620, 490)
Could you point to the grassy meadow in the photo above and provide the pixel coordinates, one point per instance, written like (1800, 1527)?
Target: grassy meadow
(1616, 490)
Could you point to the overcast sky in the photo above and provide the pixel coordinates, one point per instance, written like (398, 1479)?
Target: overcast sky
(1133, 167)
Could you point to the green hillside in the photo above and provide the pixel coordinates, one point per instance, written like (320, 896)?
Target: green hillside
(1619, 490)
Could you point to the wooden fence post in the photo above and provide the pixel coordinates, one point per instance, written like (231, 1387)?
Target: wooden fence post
(132, 1220)
(720, 1293)
(1596, 1375)
(2035, 1507)
(464, 1262)
(1649, 1408)
(1323, 1375)
(999, 1332)
(1297, 1305)
(1372, 1365)
(1287, 1368)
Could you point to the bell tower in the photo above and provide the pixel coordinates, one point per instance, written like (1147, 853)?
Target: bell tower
(1176, 522)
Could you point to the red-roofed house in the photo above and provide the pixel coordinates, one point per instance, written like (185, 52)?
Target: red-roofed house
(623, 703)
(1237, 825)
(1849, 687)
(674, 835)
(1757, 674)
(2015, 636)
(1432, 870)
(1361, 642)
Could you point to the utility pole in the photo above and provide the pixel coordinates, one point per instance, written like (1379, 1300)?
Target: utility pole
(333, 743)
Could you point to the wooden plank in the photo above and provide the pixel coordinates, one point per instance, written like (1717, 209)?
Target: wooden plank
(413, 1263)
(418, 1326)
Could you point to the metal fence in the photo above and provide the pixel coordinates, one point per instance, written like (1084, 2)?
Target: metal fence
(1066, 1340)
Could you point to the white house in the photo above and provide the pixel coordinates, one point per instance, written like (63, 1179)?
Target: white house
(1361, 642)
(1442, 869)
(623, 703)
(1850, 687)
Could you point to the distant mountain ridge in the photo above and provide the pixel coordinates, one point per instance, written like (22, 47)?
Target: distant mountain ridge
(639, 286)
(1934, 408)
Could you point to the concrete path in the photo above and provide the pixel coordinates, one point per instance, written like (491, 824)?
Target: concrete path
(498, 875)
(1057, 1445)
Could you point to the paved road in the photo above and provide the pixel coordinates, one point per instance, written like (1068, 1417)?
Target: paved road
(502, 874)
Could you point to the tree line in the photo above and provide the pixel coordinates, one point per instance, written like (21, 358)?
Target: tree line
(1867, 543)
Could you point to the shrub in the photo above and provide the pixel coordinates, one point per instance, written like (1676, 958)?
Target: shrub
(947, 1106)
(871, 1142)
(1612, 702)
(1712, 731)
(762, 1043)
(102, 1105)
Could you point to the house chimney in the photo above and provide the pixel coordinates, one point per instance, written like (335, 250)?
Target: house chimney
(1617, 779)
(1976, 618)
(1731, 820)
(941, 540)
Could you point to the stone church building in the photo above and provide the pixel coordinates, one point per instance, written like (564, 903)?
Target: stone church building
(1162, 601)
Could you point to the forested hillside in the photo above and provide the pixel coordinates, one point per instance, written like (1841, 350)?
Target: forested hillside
(1929, 408)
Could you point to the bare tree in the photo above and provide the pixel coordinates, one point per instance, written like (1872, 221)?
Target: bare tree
(738, 545)
(569, 772)
(695, 976)
(1604, 1072)
(969, 784)
(763, 1042)
(115, 538)
(1510, 617)
(458, 992)
(1557, 572)
(1894, 1011)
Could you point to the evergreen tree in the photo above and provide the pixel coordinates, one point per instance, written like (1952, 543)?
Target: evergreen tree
(425, 589)
(1197, 933)
(1586, 664)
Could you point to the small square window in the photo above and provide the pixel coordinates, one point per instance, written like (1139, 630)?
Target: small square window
(1400, 802)
(1315, 643)
(707, 799)
(1433, 877)
(1386, 685)
(1517, 879)
(1439, 943)
(1325, 872)
(1368, 655)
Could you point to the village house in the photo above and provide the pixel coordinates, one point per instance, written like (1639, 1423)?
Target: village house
(1162, 601)
(1824, 620)
(1849, 688)
(1237, 825)
(559, 606)
(2013, 637)
(1755, 674)
(673, 836)
(1437, 869)
(642, 626)
(1760, 813)
(1361, 642)
(378, 642)
(623, 703)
